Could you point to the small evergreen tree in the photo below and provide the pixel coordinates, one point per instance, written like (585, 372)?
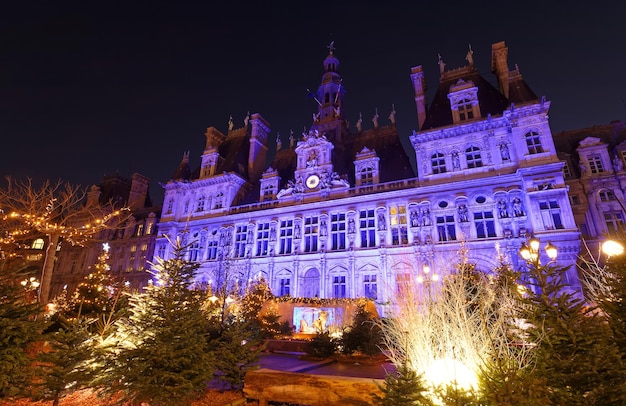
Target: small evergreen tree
(163, 356)
(20, 330)
(237, 352)
(363, 335)
(322, 345)
(404, 388)
(65, 366)
(575, 354)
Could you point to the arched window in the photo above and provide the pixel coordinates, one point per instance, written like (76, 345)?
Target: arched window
(533, 142)
(473, 158)
(438, 163)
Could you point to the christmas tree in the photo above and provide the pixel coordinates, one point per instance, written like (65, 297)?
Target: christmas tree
(162, 356)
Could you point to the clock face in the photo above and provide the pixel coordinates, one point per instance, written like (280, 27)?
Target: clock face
(312, 181)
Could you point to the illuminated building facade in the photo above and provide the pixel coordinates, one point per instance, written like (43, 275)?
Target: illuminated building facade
(341, 212)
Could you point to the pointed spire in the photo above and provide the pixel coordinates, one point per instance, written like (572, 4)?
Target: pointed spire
(442, 64)
(183, 172)
(470, 56)
(279, 143)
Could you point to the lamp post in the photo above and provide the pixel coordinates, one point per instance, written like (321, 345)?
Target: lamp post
(427, 277)
(531, 253)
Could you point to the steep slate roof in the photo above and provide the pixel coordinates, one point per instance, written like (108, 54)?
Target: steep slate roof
(490, 99)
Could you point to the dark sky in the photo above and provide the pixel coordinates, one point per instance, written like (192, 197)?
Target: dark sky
(90, 88)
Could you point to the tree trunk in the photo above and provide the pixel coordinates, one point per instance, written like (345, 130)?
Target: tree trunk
(48, 267)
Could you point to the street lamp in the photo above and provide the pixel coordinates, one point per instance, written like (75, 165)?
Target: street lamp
(530, 251)
(611, 248)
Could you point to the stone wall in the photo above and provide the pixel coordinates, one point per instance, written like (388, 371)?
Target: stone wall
(265, 385)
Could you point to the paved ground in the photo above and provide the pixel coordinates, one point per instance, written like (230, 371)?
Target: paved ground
(294, 362)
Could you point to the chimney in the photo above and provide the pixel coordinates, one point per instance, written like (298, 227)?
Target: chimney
(258, 147)
(500, 67)
(138, 191)
(419, 84)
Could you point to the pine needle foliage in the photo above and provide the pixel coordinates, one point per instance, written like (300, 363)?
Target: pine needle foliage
(163, 356)
(20, 330)
(405, 387)
(575, 354)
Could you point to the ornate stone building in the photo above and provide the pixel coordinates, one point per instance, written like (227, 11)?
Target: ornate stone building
(131, 245)
(341, 212)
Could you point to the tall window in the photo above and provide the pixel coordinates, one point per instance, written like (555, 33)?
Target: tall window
(219, 201)
(161, 251)
(533, 142)
(170, 206)
(446, 228)
(212, 250)
(262, 239)
(241, 233)
(338, 231)
(286, 236)
(367, 227)
(595, 164)
(485, 224)
(339, 286)
(284, 286)
(268, 192)
(370, 287)
(403, 282)
(397, 224)
(472, 156)
(614, 222)
(465, 110)
(200, 206)
(311, 228)
(438, 163)
(139, 230)
(367, 176)
(567, 172)
(551, 214)
(194, 248)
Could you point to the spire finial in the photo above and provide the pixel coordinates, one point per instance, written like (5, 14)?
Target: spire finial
(441, 63)
(331, 47)
(469, 57)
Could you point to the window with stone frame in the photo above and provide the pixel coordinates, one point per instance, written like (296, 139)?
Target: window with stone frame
(262, 239)
(606, 195)
(161, 250)
(339, 286)
(219, 201)
(170, 206)
(533, 142)
(338, 231)
(367, 176)
(614, 222)
(311, 233)
(286, 237)
(284, 285)
(212, 249)
(485, 224)
(567, 172)
(200, 205)
(370, 286)
(595, 164)
(551, 214)
(473, 157)
(465, 109)
(268, 192)
(438, 163)
(574, 200)
(194, 247)
(403, 283)
(398, 224)
(446, 227)
(241, 235)
(367, 228)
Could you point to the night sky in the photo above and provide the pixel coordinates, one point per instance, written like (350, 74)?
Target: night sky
(89, 89)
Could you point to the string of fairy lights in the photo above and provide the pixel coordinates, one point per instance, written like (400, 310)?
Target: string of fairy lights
(27, 223)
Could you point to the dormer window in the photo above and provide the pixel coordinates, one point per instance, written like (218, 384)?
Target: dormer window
(595, 164)
(463, 98)
(438, 163)
(465, 110)
(366, 176)
(533, 142)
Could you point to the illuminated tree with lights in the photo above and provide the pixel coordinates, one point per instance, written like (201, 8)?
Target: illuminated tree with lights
(20, 330)
(162, 354)
(55, 210)
(449, 328)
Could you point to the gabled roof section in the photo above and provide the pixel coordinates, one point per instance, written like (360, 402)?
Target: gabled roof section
(234, 152)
